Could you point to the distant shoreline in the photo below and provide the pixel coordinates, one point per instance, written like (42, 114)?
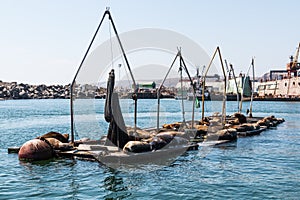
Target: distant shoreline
(14, 90)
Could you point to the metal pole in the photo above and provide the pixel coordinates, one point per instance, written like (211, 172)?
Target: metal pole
(236, 85)
(224, 94)
(203, 87)
(74, 80)
(135, 97)
(243, 88)
(193, 111)
(159, 89)
(252, 89)
(203, 84)
(182, 103)
(193, 87)
(158, 110)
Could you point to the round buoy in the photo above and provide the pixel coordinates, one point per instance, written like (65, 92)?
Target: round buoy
(34, 150)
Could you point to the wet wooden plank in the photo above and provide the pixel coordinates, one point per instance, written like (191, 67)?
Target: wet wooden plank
(13, 149)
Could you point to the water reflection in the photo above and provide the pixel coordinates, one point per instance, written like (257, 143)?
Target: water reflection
(115, 187)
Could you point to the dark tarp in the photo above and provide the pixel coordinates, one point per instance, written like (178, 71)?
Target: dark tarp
(117, 133)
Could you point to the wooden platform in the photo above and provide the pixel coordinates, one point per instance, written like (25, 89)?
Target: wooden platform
(13, 149)
(94, 152)
(97, 151)
(252, 132)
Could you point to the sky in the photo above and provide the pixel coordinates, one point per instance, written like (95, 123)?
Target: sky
(43, 42)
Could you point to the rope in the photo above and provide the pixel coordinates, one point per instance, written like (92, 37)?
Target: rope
(125, 68)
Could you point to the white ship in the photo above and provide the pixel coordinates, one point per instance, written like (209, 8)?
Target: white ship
(282, 84)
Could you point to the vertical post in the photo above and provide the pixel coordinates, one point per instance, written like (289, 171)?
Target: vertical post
(236, 85)
(158, 110)
(203, 89)
(72, 114)
(193, 111)
(242, 93)
(135, 114)
(225, 91)
(182, 103)
(252, 89)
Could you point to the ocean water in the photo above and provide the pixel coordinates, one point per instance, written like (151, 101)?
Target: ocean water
(261, 167)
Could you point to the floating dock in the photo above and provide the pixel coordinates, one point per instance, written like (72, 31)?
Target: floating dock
(97, 151)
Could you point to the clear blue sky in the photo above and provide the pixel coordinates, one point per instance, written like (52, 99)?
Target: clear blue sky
(44, 41)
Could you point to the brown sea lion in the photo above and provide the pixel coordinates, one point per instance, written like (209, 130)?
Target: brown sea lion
(204, 121)
(166, 136)
(227, 134)
(55, 143)
(64, 138)
(157, 143)
(137, 134)
(241, 118)
(175, 125)
(244, 127)
(136, 146)
(235, 121)
(264, 122)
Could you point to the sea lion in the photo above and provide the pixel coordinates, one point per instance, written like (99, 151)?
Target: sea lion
(244, 127)
(137, 134)
(227, 134)
(235, 121)
(64, 138)
(166, 136)
(136, 147)
(201, 130)
(241, 118)
(264, 122)
(55, 143)
(157, 143)
(174, 126)
(204, 121)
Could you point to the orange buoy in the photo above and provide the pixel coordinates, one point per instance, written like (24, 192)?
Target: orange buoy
(34, 150)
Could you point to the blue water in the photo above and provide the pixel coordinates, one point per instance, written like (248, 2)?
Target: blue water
(260, 167)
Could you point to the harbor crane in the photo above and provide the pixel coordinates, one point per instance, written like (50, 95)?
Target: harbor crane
(294, 65)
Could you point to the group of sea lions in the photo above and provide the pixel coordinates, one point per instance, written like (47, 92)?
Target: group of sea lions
(212, 127)
(43, 147)
(270, 121)
(55, 139)
(144, 141)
